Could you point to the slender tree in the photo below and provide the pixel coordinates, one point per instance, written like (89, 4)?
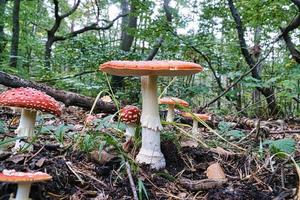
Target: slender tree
(267, 92)
(15, 34)
(295, 23)
(3, 39)
(128, 24)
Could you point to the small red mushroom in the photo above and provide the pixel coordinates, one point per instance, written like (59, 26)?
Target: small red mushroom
(130, 115)
(172, 102)
(31, 101)
(194, 117)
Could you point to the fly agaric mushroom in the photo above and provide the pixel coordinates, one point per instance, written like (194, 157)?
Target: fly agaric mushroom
(150, 152)
(130, 115)
(172, 102)
(24, 181)
(194, 116)
(30, 100)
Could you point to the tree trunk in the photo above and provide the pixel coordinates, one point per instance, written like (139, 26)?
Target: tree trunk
(48, 50)
(3, 40)
(255, 52)
(268, 92)
(128, 22)
(68, 98)
(15, 34)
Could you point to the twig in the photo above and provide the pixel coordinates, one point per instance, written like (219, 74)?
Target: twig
(69, 164)
(285, 131)
(132, 185)
(34, 154)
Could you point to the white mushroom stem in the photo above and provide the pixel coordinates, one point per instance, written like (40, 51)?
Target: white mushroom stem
(26, 127)
(130, 131)
(195, 127)
(150, 112)
(150, 152)
(23, 191)
(171, 113)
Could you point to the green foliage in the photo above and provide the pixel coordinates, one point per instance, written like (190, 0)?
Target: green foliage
(3, 127)
(225, 129)
(286, 145)
(142, 191)
(58, 132)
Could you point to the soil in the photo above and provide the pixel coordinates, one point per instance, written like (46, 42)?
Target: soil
(247, 178)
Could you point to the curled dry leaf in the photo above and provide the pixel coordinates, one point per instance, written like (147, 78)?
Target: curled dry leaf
(103, 158)
(222, 152)
(106, 99)
(17, 158)
(189, 143)
(215, 172)
(89, 119)
(40, 162)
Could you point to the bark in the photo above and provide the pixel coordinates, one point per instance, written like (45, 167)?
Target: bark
(295, 23)
(3, 39)
(68, 98)
(267, 92)
(15, 34)
(128, 23)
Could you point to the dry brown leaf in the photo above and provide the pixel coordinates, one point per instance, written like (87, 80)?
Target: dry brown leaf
(189, 143)
(103, 158)
(106, 98)
(222, 152)
(215, 172)
(16, 158)
(40, 162)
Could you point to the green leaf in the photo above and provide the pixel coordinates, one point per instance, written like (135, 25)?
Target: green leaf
(236, 133)
(286, 145)
(224, 126)
(2, 127)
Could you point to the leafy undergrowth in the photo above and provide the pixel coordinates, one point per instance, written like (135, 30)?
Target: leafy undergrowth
(70, 154)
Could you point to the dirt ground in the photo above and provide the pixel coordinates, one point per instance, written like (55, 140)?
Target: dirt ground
(78, 175)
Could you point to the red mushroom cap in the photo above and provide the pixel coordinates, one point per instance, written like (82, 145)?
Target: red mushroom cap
(152, 67)
(12, 176)
(173, 101)
(130, 114)
(30, 98)
(204, 117)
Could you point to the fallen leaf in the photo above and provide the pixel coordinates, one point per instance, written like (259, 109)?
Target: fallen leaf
(215, 172)
(222, 152)
(106, 98)
(89, 119)
(16, 158)
(77, 127)
(40, 162)
(189, 143)
(103, 158)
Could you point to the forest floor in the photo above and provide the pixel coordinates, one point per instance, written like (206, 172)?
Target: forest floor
(252, 172)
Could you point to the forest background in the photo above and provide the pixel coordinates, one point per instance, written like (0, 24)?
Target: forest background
(247, 48)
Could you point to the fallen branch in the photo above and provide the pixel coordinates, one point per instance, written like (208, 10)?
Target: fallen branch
(204, 184)
(68, 98)
(132, 185)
